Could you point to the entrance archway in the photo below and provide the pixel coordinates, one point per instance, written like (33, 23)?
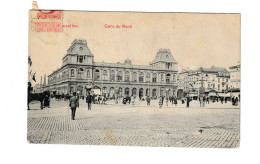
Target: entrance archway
(127, 91)
(141, 90)
(154, 93)
(147, 93)
(134, 92)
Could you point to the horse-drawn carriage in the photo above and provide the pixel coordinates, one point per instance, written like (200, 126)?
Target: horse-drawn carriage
(43, 97)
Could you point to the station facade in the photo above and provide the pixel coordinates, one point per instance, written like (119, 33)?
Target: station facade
(80, 73)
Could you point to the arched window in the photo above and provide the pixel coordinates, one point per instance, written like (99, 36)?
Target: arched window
(154, 93)
(80, 73)
(134, 92)
(119, 76)
(141, 77)
(148, 77)
(134, 77)
(174, 78)
(127, 91)
(127, 76)
(154, 77)
(72, 73)
(162, 77)
(97, 75)
(105, 76)
(168, 76)
(112, 75)
(88, 74)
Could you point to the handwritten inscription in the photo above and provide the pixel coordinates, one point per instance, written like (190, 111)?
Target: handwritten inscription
(118, 26)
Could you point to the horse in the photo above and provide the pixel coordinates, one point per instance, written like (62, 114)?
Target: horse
(38, 97)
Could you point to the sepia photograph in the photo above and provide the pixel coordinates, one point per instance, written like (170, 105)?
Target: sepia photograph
(147, 79)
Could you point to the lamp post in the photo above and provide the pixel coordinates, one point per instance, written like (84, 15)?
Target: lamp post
(202, 91)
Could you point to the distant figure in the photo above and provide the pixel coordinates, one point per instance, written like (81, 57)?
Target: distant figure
(167, 99)
(160, 102)
(99, 99)
(133, 102)
(221, 99)
(74, 103)
(175, 101)
(148, 100)
(208, 100)
(188, 102)
(89, 100)
(182, 101)
(47, 101)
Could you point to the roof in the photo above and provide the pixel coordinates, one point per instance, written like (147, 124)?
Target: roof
(213, 69)
(164, 55)
(79, 47)
(234, 67)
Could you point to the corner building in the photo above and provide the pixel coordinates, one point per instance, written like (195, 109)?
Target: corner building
(79, 72)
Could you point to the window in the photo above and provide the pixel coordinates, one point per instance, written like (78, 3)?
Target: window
(119, 76)
(80, 59)
(141, 77)
(105, 77)
(154, 77)
(112, 75)
(162, 78)
(80, 73)
(72, 73)
(97, 75)
(88, 73)
(134, 76)
(168, 76)
(127, 76)
(148, 77)
(218, 87)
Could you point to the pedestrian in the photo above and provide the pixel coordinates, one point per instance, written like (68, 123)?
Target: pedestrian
(208, 100)
(89, 100)
(133, 100)
(175, 101)
(74, 103)
(182, 101)
(188, 102)
(99, 99)
(160, 102)
(47, 101)
(148, 100)
(167, 99)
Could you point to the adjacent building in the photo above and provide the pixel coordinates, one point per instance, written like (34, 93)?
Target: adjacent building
(81, 73)
(235, 77)
(214, 78)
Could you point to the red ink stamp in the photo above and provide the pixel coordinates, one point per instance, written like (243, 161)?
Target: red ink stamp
(49, 14)
(47, 21)
(47, 26)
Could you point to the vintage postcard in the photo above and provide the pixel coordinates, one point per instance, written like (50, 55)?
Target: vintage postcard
(134, 78)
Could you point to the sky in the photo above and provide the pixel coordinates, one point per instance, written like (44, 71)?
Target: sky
(195, 40)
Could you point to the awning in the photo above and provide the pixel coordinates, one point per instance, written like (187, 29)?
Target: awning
(212, 94)
(224, 95)
(192, 94)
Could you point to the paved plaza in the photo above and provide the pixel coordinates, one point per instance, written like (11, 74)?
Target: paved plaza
(213, 126)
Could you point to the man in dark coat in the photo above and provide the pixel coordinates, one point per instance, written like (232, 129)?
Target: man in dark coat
(89, 100)
(188, 102)
(74, 103)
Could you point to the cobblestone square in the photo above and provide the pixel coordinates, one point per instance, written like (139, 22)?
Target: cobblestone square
(214, 126)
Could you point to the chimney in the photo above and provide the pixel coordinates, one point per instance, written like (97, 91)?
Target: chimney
(44, 81)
